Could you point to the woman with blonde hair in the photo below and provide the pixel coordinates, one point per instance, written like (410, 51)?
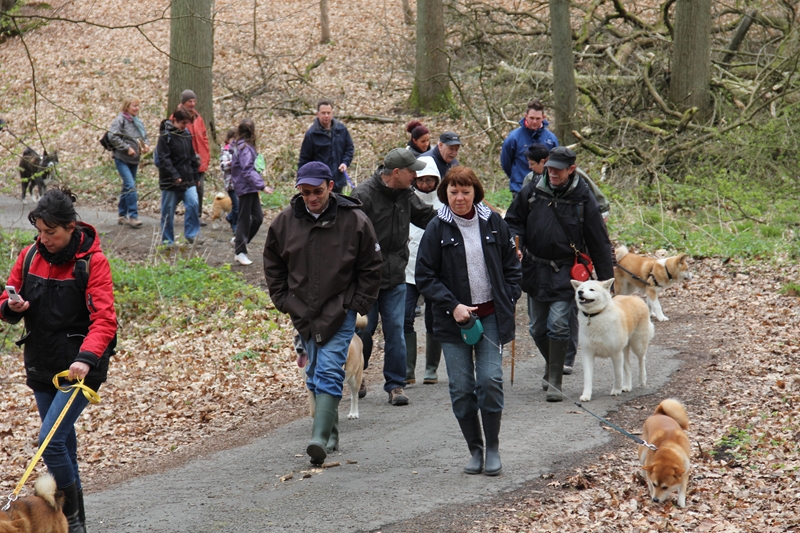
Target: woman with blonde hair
(129, 139)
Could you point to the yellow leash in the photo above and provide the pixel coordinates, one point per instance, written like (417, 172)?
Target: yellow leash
(90, 395)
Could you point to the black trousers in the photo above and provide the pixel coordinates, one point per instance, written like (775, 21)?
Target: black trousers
(251, 216)
(200, 188)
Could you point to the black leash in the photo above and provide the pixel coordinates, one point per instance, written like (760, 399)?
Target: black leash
(634, 276)
(634, 438)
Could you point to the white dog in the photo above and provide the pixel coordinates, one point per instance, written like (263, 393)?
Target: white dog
(611, 327)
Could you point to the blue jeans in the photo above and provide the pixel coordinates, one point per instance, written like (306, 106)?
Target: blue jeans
(324, 373)
(476, 383)
(549, 319)
(191, 222)
(391, 306)
(233, 216)
(412, 295)
(61, 454)
(128, 198)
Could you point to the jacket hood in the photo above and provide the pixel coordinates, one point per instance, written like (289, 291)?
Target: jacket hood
(446, 214)
(90, 242)
(336, 201)
(168, 126)
(431, 169)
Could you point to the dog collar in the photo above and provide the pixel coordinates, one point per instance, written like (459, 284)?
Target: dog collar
(590, 316)
(667, 270)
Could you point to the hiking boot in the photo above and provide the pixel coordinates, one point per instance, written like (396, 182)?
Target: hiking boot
(195, 240)
(398, 397)
(203, 223)
(567, 370)
(558, 352)
(121, 221)
(134, 223)
(242, 259)
(362, 390)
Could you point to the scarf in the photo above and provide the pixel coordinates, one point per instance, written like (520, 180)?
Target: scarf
(65, 255)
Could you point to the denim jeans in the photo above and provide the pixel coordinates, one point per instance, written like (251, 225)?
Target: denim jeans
(61, 454)
(412, 295)
(191, 223)
(324, 372)
(549, 319)
(476, 373)
(391, 306)
(128, 198)
(233, 216)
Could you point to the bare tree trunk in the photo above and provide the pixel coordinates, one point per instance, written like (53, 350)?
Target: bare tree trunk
(325, 21)
(408, 15)
(6, 5)
(191, 48)
(564, 89)
(431, 90)
(690, 71)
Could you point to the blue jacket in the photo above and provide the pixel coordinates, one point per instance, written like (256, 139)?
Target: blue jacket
(442, 266)
(332, 147)
(512, 156)
(441, 164)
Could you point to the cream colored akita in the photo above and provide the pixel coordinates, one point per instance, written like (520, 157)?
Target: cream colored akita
(611, 327)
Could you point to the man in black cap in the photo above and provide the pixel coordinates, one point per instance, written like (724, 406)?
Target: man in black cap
(323, 265)
(445, 152)
(550, 215)
(391, 205)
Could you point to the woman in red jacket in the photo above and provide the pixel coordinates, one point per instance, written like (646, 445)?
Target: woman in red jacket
(67, 302)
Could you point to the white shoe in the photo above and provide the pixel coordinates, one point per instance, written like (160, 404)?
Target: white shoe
(233, 241)
(243, 259)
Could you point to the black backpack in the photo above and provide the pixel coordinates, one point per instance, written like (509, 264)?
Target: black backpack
(105, 142)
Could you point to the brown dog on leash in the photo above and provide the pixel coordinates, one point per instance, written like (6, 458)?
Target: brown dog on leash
(40, 513)
(666, 469)
(636, 272)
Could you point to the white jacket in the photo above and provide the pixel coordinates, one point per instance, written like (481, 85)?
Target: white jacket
(415, 233)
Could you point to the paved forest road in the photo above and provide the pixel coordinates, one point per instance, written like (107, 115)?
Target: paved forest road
(397, 463)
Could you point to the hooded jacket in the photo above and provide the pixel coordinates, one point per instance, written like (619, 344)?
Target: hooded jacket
(318, 269)
(332, 147)
(512, 155)
(65, 324)
(245, 177)
(391, 211)
(199, 133)
(125, 132)
(177, 158)
(542, 236)
(442, 264)
(415, 233)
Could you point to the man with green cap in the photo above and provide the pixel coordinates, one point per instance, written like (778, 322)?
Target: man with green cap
(392, 206)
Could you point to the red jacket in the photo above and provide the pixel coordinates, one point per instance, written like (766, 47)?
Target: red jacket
(63, 323)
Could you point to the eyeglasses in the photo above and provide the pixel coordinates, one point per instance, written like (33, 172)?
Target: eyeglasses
(313, 192)
(426, 180)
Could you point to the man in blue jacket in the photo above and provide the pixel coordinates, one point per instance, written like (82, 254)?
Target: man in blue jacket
(328, 141)
(532, 129)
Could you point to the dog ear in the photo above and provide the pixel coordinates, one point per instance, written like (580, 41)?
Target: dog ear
(575, 283)
(682, 258)
(648, 468)
(608, 283)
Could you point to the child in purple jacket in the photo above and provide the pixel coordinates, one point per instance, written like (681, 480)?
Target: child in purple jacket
(247, 183)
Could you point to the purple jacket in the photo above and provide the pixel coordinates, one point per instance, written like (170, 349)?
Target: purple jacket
(246, 179)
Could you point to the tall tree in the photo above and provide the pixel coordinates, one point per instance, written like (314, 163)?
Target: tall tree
(191, 48)
(325, 22)
(431, 90)
(690, 72)
(564, 89)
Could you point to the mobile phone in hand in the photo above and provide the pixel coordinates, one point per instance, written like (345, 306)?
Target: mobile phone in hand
(12, 294)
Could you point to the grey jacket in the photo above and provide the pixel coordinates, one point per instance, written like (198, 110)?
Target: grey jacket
(602, 201)
(123, 133)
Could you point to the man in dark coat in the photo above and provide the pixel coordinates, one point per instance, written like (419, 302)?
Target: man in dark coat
(550, 215)
(323, 265)
(328, 141)
(391, 206)
(445, 152)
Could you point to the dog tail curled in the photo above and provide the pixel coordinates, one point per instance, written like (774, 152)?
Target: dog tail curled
(361, 321)
(621, 252)
(220, 196)
(675, 410)
(45, 488)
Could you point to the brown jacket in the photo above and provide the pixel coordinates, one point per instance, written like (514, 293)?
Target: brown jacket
(318, 269)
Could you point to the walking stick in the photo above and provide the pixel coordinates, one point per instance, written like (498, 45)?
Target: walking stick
(514, 340)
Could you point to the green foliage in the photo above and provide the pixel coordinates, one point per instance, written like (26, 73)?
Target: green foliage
(11, 244)
(189, 282)
(279, 199)
(499, 199)
(734, 445)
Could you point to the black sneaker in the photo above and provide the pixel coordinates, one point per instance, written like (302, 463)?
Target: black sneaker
(398, 397)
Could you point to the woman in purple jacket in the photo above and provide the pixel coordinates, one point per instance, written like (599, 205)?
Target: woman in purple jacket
(247, 183)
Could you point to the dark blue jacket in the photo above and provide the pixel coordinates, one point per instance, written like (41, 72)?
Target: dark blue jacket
(332, 147)
(441, 164)
(176, 158)
(541, 235)
(512, 156)
(442, 267)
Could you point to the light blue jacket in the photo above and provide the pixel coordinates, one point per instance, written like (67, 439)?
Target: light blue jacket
(512, 156)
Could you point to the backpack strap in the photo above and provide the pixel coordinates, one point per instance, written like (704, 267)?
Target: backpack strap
(26, 263)
(81, 271)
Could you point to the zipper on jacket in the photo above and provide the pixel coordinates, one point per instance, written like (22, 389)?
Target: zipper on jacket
(90, 303)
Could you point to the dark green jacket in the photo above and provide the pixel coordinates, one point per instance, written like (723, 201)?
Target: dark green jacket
(391, 211)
